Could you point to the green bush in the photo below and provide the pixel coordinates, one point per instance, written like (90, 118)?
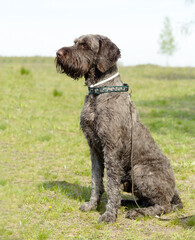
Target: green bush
(24, 71)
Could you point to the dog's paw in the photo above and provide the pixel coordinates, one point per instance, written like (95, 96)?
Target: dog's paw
(107, 217)
(87, 206)
(133, 214)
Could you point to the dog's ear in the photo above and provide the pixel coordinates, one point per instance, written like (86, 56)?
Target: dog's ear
(108, 54)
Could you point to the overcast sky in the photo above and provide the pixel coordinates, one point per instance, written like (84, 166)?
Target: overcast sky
(40, 27)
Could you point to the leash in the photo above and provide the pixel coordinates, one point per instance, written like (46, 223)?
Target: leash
(105, 80)
(108, 89)
(131, 158)
(132, 175)
(93, 89)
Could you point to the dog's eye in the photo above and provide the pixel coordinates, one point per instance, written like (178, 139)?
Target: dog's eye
(84, 45)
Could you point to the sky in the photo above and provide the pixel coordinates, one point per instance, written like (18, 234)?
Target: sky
(41, 27)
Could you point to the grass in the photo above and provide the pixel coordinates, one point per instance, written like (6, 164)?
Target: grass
(44, 158)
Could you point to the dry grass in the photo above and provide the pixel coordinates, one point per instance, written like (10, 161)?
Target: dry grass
(45, 165)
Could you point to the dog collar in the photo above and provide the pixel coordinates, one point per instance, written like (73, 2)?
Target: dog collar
(109, 89)
(106, 80)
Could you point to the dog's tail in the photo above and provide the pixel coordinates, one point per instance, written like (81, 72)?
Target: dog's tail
(176, 201)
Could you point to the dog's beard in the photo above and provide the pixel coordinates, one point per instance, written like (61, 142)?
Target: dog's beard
(69, 68)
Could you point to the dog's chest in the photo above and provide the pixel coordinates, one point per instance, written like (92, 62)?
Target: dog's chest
(89, 120)
(88, 113)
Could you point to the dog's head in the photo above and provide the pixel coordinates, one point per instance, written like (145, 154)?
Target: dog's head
(88, 51)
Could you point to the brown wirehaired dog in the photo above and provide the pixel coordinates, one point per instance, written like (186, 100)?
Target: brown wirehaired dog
(106, 121)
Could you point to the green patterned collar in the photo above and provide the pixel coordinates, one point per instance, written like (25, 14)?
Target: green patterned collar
(109, 89)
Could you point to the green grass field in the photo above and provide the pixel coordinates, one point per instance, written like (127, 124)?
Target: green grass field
(44, 157)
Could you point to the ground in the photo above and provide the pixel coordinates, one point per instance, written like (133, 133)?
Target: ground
(44, 157)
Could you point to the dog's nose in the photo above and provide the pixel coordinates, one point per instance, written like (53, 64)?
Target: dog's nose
(59, 53)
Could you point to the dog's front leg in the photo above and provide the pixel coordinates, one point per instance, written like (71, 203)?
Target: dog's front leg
(97, 183)
(113, 189)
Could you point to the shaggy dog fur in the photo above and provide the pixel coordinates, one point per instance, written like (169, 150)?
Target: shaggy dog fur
(106, 122)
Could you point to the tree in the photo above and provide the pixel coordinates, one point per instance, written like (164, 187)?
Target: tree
(189, 1)
(167, 42)
(187, 26)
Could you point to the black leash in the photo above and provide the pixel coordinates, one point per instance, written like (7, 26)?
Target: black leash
(131, 158)
(132, 174)
(125, 88)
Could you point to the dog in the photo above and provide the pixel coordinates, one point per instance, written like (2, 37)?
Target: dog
(117, 139)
